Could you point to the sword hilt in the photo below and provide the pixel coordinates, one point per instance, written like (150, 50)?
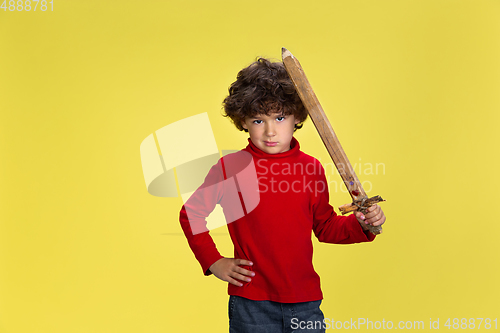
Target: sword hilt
(361, 206)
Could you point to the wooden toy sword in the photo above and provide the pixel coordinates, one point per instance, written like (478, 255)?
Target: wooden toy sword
(360, 200)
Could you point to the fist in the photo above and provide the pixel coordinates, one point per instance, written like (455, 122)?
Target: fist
(373, 216)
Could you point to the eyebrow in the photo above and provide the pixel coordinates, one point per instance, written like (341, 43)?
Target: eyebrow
(259, 116)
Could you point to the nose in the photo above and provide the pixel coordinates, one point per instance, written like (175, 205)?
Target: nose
(270, 130)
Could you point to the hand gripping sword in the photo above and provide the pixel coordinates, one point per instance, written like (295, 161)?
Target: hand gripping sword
(360, 200)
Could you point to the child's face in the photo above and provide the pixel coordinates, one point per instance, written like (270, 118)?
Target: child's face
(271, 134)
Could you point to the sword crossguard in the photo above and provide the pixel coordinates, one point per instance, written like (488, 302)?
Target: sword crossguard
(361, 206)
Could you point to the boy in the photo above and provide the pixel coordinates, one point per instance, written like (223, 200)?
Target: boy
(272, 283)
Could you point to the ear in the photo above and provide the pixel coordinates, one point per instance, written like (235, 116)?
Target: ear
(244, 125)
(297, 121)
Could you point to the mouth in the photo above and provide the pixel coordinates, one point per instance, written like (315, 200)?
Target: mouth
(270, 143)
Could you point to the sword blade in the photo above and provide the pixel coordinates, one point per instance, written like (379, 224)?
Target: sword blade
(326, 132)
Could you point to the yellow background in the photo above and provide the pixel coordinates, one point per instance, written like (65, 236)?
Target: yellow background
(410, 84)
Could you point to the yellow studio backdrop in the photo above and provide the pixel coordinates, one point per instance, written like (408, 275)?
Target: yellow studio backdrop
(410, 86)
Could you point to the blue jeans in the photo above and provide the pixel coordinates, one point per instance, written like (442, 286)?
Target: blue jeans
(248, 316)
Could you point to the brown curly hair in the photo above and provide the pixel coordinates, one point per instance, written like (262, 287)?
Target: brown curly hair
(263, 87)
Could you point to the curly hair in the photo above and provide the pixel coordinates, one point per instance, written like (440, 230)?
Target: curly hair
(263, 87)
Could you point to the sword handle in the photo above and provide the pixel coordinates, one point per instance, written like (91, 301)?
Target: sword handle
(362, 205)
(374, 230)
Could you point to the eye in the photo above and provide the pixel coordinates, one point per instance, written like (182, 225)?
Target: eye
(257, 121)
(280, 119)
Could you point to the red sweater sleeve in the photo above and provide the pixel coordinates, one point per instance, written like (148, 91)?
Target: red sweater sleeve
(193, 218)
(332, 228)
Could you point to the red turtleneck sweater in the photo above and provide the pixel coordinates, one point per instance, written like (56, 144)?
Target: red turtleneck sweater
(272, 204)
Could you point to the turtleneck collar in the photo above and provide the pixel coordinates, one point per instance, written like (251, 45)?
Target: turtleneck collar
(256, 152)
